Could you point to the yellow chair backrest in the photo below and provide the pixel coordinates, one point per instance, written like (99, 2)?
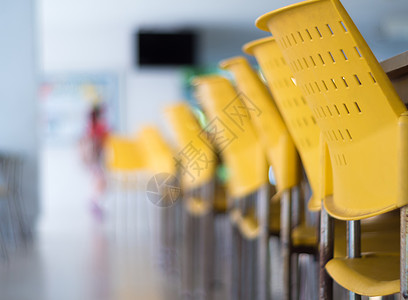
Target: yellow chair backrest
(230, 129)
(352, 100)
(158, 154)
(123, 154)
(195, 159)
(272, 131)
(292, 105)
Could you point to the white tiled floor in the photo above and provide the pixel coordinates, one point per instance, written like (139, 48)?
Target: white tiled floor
(73, 257)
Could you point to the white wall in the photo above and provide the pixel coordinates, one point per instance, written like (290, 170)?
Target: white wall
(97, 35)
(18, 117)
(147, 93)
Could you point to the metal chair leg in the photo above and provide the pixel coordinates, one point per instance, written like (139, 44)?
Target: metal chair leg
(298, 218)
(249, 266)
(295, 275)
(286, 223)
(204, 257)
(197, 246)
(246, 268)
(187, 281)
(353, 248)
(262, 283)
(404, 253)
(325, 254)
(235, 262)
(254, 273)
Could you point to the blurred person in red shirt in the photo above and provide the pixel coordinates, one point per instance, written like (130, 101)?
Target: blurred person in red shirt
(92, 150)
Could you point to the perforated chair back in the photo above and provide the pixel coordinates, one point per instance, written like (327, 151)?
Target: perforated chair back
(196, 160)
(267, 121)
(352, 100)
(292, 105)
(230, 129)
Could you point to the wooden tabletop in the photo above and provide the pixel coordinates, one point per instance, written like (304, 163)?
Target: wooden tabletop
(396, 68)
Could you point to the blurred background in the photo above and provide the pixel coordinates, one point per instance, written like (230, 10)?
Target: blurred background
(59, 60)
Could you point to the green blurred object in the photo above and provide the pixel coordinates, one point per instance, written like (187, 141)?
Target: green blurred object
(222, 173)
(201, 117)
(189, 73)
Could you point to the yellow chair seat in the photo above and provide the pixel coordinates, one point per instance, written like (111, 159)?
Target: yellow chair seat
(304, 235)
(197, 207)
(384, 242)
(370, 275)
(385, 222)
(235, 216)
(249, 228)
(247, 225)
(307, 236)
(379, 234)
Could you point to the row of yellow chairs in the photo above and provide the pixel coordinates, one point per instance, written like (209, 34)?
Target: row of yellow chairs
(337, 108)
(361, 121)
(193, 160)
(330, 110)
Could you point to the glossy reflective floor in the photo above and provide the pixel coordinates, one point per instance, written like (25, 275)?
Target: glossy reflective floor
(73, 256)
(77, 255)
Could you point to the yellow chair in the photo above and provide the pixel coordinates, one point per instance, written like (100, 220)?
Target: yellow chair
(271, 129)
(230, 130)
(196, 159)
(266, 50)
(267, 121)
(279, 147)
(364, 124)
(123, 154)
(157, 153)
(292, 105)
(147, 151)
(196, 162)
(124, 160)
(130, 160)
(302, 126)
(125, 165)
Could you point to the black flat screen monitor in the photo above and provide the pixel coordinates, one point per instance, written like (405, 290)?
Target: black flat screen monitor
(166, 48)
